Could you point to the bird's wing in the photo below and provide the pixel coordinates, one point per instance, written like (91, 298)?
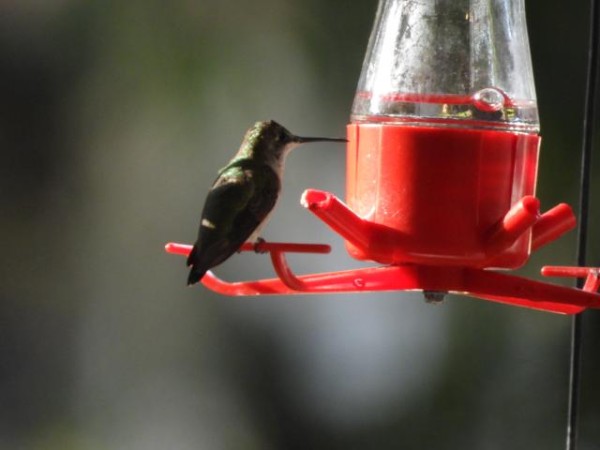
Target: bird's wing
(233, 210)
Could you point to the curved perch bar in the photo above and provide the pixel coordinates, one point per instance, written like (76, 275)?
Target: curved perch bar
(285, 274)
(477, 283)
(591, 275)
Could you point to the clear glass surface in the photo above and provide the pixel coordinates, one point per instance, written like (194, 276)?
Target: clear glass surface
(449, 62)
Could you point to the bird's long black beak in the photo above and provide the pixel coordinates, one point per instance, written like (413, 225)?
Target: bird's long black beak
(305, 140)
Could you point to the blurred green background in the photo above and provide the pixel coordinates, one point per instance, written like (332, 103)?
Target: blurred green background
(115, 117)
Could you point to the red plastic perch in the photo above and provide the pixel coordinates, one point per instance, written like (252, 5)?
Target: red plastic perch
(478, 283)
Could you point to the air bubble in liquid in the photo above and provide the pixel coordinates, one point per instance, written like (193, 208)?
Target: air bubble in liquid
(489, 99)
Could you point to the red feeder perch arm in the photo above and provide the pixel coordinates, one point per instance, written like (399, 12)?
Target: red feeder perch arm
(517, 221)
(365, 235)
(551, 225)
(286, 283)
(479, 283)
(591, 275)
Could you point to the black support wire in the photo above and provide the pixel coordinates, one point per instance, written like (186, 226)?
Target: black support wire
(589, 119)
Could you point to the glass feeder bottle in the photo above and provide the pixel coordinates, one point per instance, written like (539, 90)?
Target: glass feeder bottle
(443, 138)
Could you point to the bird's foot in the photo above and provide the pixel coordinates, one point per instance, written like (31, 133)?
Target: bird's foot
(259, 245)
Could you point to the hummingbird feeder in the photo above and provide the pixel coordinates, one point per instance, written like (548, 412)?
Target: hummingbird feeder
(441, 167)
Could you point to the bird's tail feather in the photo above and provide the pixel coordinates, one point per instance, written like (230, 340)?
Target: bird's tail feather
(196, 272)
(192, 256)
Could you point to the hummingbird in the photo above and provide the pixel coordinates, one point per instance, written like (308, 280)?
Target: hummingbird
(241, 199)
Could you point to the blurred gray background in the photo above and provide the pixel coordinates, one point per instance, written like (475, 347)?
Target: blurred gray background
(115, 117)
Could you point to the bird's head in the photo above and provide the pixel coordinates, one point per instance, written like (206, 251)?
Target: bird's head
(272, 141)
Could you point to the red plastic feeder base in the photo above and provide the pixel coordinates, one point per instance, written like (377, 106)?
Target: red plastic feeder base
(474, 282)
(443, 195)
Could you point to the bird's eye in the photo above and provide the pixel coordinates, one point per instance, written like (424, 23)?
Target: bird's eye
(281, 136)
